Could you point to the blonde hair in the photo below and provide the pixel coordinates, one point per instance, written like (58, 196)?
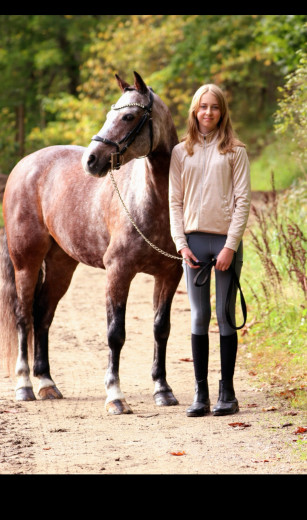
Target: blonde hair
(227, 139)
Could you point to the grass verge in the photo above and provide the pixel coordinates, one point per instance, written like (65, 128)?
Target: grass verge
(275, 287)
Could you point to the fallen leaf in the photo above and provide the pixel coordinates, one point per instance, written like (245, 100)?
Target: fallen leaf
(287, 394)
(300, 429)
(252, 405)
(185, 359)
(270, 409)
(46, 449)
(239, 425)
(178, 453)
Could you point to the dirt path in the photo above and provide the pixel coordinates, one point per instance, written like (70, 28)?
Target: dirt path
(76, 436)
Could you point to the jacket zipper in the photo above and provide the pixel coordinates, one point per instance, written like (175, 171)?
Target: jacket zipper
(203, 179)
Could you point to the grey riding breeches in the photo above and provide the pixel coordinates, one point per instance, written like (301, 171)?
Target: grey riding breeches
(205, 247)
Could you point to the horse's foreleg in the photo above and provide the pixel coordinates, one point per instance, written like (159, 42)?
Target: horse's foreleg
(116, 298)
(163, 296)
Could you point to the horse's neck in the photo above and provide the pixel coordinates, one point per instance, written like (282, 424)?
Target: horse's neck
(157, 173)
(159, 160)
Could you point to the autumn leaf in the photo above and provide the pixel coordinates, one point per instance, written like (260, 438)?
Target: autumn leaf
(185, 359)
(178, 453)
(239, 425)
(300, 429)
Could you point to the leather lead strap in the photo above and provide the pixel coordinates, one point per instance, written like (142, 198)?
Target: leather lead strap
(205, 272)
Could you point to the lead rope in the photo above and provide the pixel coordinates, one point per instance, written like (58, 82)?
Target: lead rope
(136, 227)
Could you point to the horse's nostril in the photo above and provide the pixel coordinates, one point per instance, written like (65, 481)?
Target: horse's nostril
(91, 160)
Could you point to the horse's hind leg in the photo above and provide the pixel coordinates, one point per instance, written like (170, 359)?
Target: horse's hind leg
(163, 296)
(26, 280)
(59, 269)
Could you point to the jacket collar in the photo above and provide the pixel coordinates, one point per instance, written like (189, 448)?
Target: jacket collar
(209, 138)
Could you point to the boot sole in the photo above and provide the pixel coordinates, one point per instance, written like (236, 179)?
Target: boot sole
(225, 412)
(200, 413)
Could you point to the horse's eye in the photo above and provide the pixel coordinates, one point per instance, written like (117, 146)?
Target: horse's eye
(128, 117)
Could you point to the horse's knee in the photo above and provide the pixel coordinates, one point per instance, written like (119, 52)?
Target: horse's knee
(116, 336)
(116, 328)
(162, 323)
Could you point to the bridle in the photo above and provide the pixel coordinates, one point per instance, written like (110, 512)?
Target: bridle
(130, 137)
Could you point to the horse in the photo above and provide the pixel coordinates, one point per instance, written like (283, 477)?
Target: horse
(61, 208)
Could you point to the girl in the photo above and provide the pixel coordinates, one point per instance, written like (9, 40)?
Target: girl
(209, 207)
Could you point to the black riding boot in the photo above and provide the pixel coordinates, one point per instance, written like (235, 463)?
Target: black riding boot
(201, 402)
(200, 350)
(227, 403)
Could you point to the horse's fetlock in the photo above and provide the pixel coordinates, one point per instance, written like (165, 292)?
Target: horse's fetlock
(40, 367)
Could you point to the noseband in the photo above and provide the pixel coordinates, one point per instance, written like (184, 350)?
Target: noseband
(130, 137)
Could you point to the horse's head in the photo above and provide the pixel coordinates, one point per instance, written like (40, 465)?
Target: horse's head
(127, 132)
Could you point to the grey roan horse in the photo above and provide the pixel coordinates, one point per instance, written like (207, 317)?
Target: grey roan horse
(60, 209)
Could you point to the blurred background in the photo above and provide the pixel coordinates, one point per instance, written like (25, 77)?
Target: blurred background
(57, 78)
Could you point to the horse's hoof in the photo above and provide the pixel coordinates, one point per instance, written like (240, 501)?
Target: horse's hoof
(50, 392)
(165, 399)
(25, 394)
(118, 407)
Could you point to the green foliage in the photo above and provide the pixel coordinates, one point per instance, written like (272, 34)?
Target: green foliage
(276, 290)
(291, 116)
(74, 122)
(50, 62)
(40, 56)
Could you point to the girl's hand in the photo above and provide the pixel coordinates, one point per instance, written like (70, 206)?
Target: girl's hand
(224, 259)
(187, 256)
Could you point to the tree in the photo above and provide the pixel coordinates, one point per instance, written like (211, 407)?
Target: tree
(40, 57)
(291, 115)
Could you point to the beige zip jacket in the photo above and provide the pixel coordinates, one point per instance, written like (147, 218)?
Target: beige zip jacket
(209, 192)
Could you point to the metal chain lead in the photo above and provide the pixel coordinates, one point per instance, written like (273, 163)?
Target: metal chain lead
(136, 227)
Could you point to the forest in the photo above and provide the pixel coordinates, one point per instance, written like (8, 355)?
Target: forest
(58, 83)
(57, 75)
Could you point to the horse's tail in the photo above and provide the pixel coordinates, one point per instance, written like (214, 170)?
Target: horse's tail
(8, 300)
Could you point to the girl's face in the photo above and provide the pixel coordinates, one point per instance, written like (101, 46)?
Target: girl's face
(209, 113)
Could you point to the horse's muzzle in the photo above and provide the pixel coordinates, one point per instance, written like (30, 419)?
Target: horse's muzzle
(93, 164)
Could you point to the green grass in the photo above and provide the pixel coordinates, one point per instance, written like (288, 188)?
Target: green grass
(274, 281)
(278, 157)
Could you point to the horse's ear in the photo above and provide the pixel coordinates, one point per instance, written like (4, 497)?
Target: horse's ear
(139, 83)
(121, 82)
